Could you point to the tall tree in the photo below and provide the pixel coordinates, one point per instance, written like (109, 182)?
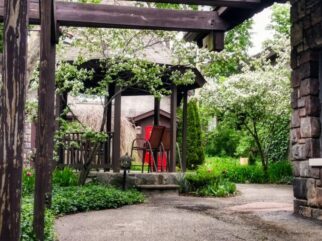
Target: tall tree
(13, 89)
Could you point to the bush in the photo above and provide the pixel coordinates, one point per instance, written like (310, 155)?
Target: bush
(65, 177)
(61, 178)
(222, 141)
(91, 197)
(195, 155)
(279, 172)
(207, 182)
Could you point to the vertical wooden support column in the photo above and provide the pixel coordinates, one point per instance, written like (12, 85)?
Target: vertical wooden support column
(46, 117)
(61, 104)
(184, 131)
(117, 131)
(156, 111)
(13, 95)
(156, 122)
(173, 123)
(108, 128)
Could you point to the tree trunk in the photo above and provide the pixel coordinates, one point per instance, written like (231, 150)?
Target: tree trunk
(13, 94)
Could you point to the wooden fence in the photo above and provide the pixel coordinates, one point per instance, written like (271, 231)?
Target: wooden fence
(75, 149)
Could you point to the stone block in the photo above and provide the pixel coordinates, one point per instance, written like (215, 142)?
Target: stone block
(296, 78)
(299, 188)
(309, 87)
(310, 127)
(312, 148)
(314, 172)
(297, 203)
(296, 168)
(296, 33)
(304, 168)
(305, 211)
(294, 98)
(309, 70)
(311, 192)
(317, 214)
(295, 121)
(319, 196)
(297, 152)
(295, 135)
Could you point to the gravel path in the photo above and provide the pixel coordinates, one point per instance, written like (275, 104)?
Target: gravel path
(259, 213)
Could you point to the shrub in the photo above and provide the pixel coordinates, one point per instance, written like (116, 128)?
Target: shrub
(65, 177)
(279, 172)
(207, 182)
(195, 155)
(222, 141)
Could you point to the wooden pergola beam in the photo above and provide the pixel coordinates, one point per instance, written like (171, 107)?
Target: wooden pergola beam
(110, 16)
(215, 3)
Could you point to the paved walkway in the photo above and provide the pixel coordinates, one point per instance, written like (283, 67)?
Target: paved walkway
(259, 213)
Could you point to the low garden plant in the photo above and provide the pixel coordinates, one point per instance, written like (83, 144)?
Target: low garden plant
(69, 198)
(278, 172)
(207, 182)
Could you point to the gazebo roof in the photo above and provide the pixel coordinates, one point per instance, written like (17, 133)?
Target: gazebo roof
(132, 91)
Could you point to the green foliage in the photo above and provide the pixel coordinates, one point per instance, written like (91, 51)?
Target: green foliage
(207, 182)
(279, 172)
(32, 110)
(91, 197)
(71, 199)
(65, 177)
(281, 19)
(27, 233)
(195, 155)
(28, 181)
(222, 141)
(61, 178)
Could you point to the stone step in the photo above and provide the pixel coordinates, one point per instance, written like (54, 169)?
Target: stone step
(158, 188)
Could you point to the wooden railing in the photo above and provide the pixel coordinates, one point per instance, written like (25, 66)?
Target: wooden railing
(75, 150)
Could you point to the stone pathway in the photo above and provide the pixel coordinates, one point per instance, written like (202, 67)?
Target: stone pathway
(260, 212)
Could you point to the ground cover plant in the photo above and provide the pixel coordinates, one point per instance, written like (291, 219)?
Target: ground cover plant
(70, 198)
(278, 172)
(207, 182)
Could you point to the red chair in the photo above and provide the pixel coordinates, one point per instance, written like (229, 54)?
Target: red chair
(149, 146)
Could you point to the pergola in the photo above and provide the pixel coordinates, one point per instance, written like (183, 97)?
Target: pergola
(17, 14)
(179, 94)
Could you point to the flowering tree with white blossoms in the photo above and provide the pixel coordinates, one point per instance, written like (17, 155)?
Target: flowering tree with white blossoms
(258, 98)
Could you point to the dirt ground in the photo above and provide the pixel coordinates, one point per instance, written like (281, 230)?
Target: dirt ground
(258, 213)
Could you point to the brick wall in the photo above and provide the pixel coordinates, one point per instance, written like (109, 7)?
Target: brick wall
(306, 40)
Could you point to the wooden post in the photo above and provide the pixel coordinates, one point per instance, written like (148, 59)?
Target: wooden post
(156, 111)
(184, 130)
(172, 167)
(61, 104)
(108, 128)
(117, 131)
(156, 122)
(46, 118)
(13, 95)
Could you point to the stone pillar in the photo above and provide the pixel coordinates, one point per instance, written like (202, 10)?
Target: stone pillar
(306, 41)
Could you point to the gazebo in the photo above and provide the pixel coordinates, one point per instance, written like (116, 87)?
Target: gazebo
(112, 148)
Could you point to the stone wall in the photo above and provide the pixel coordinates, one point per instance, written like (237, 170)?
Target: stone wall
(306, 40)
(27, 144)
